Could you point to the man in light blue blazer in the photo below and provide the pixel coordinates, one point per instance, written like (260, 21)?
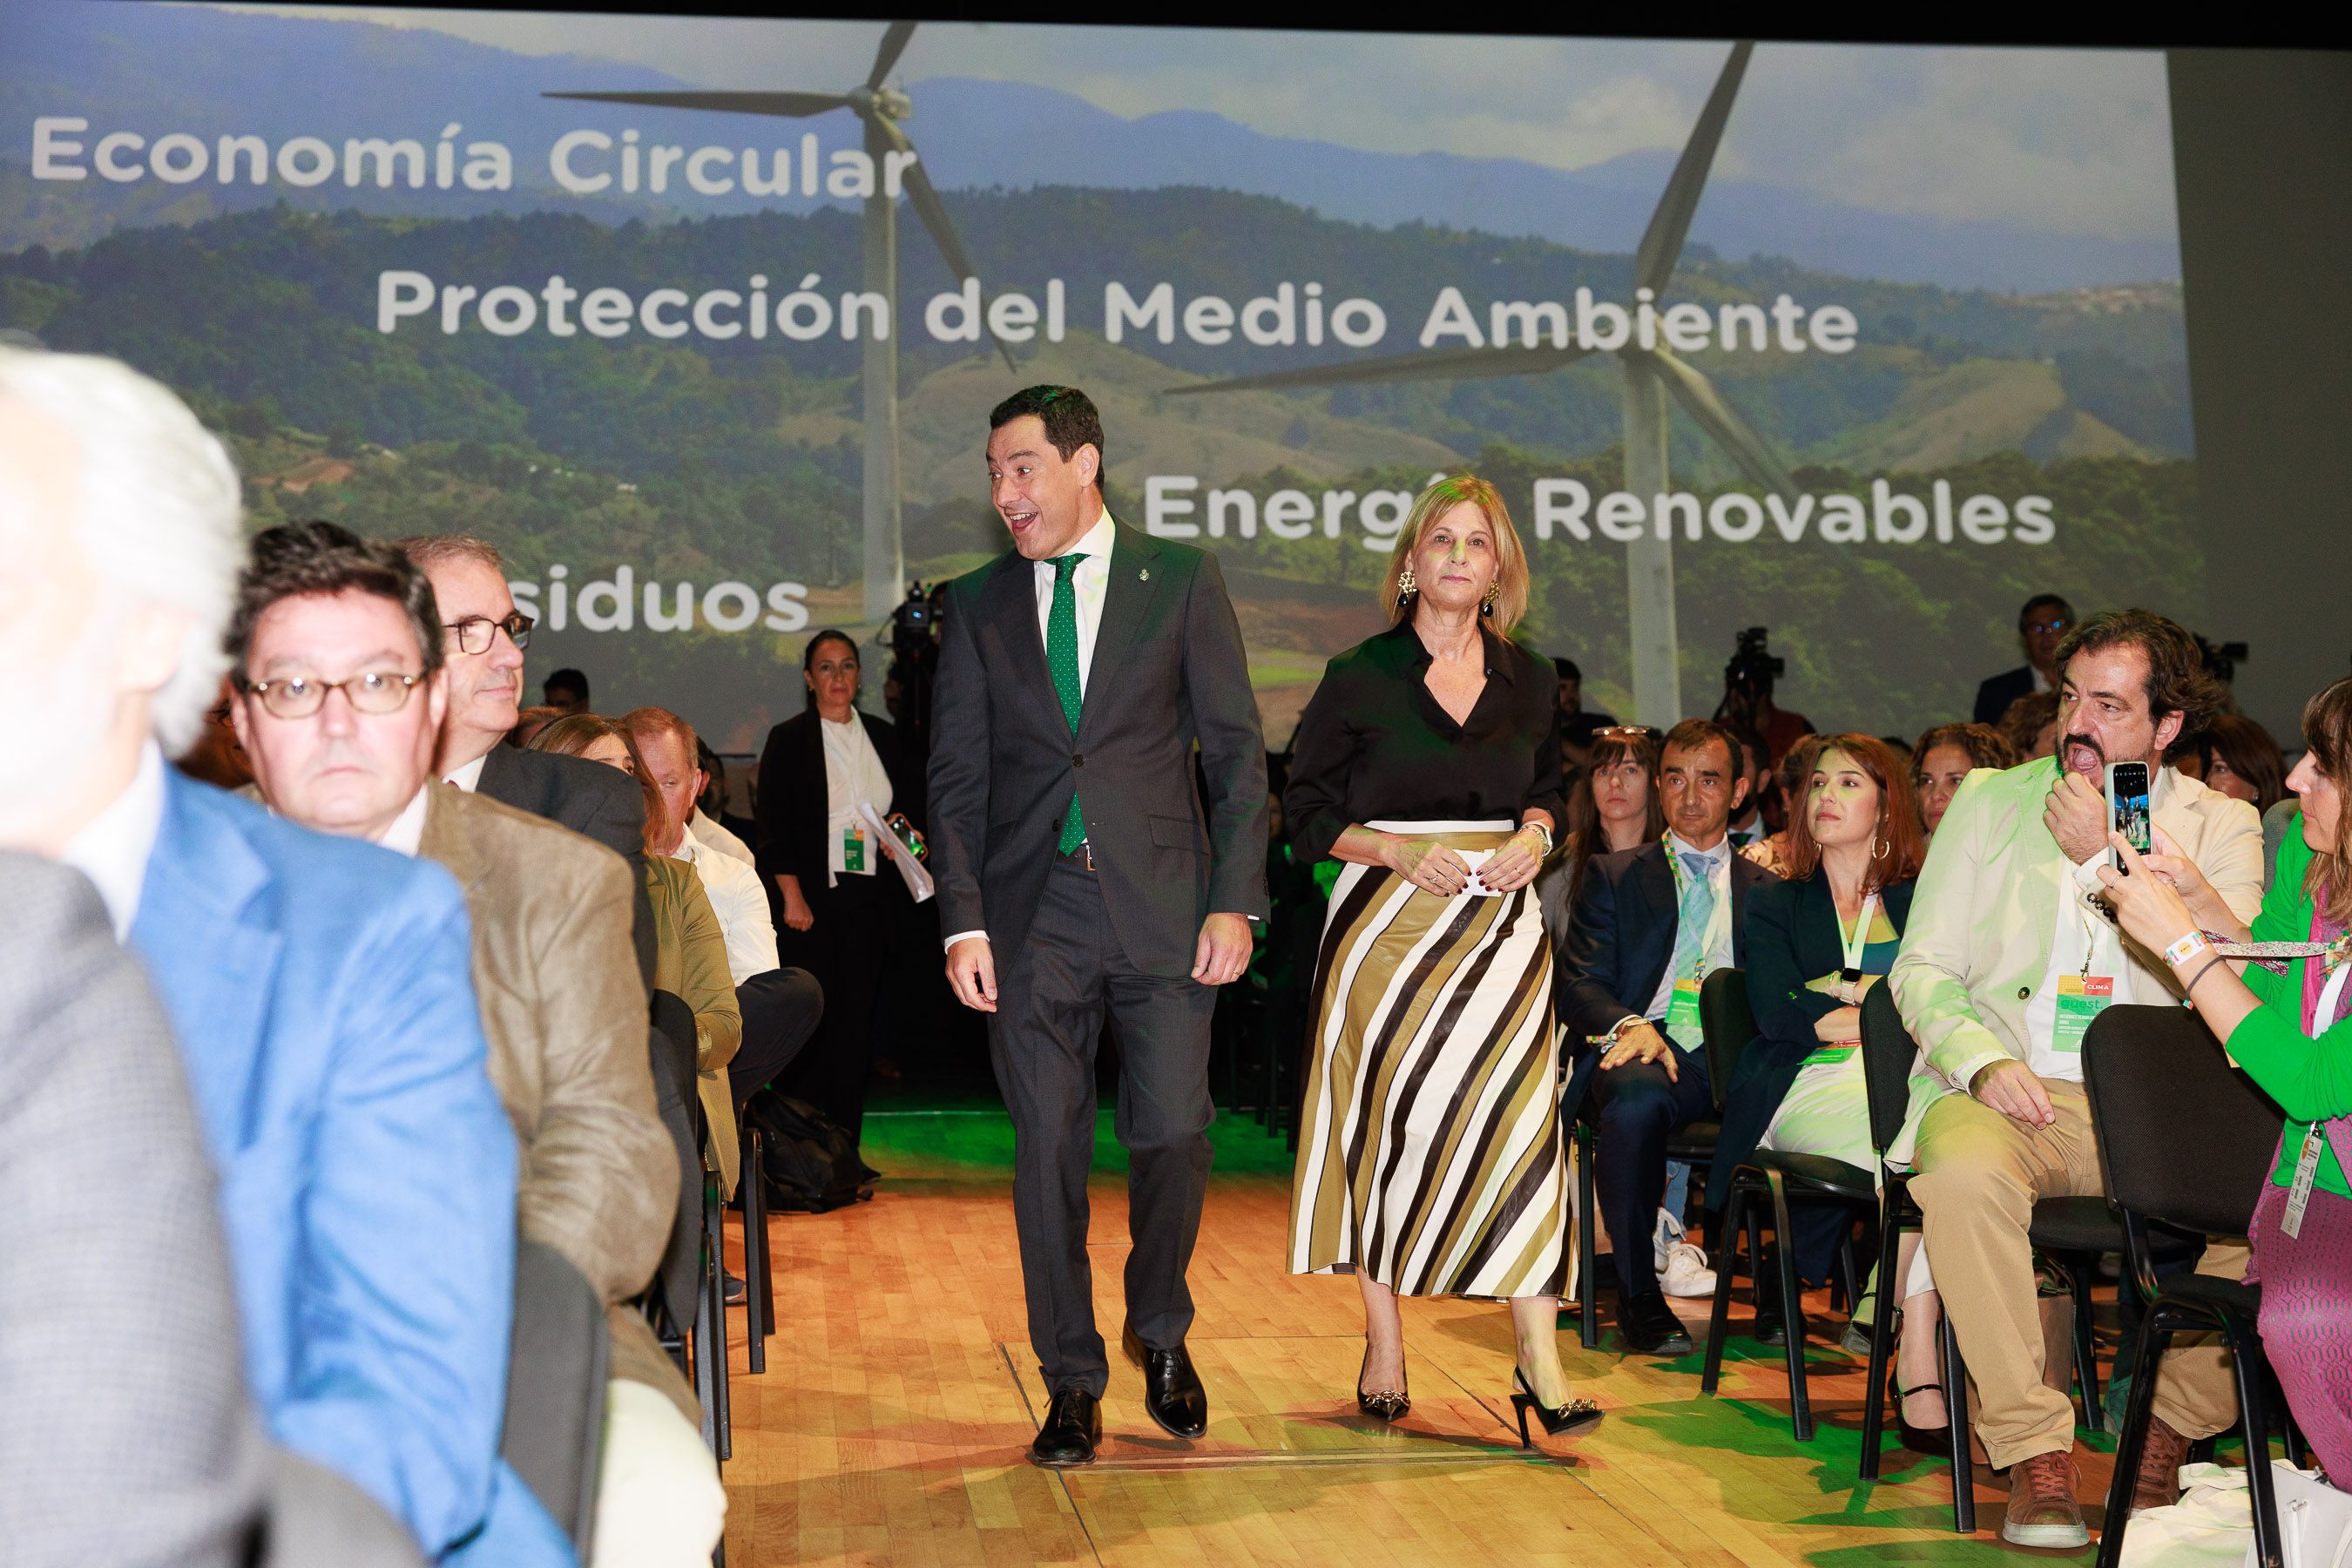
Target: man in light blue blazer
(320, 988)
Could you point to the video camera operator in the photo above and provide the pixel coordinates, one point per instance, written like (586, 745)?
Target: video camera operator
(1747, 681)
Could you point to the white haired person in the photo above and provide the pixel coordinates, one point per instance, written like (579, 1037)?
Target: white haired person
(318, 987)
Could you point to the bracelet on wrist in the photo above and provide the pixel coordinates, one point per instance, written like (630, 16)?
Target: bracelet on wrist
(2180, 952)
(2189, 986)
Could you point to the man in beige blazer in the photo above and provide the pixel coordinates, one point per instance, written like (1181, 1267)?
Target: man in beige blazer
(2005, 960)
(554, 972)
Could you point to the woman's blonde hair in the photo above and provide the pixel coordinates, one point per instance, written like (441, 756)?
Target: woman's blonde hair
(1511, 583)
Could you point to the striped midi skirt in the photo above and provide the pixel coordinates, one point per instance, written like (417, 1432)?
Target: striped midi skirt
(1429, 1150)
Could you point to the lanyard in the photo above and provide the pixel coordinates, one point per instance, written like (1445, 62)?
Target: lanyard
(1719, 920)
(1860, 938)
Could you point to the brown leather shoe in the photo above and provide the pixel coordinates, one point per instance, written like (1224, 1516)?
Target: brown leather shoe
(2158, 1485)
(2042, 1506)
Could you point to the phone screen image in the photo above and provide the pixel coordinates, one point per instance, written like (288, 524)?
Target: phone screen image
(2127, 789)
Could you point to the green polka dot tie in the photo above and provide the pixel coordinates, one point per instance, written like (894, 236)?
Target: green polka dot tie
(1062, 659)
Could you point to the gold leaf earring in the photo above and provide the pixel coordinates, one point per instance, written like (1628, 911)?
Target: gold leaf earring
(1406, 584)
(1487, 604)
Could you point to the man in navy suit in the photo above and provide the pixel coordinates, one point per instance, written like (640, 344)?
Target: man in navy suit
(320, 988)
(1648, 927)
(2041, 626)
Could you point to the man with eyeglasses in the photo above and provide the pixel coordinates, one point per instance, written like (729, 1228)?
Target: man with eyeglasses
(486, 636)
(318, 987)
(338, 647)
(2041, 625)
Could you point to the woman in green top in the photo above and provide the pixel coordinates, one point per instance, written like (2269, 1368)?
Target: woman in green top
(2289, 1031)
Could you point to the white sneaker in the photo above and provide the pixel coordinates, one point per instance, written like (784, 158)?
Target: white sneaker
(1662, 1236)
(1686, 1273)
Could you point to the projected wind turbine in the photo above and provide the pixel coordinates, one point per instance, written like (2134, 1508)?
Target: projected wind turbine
(1650, 376)
(879, 108)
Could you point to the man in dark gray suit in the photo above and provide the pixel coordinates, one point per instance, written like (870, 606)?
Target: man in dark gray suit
(127, 1439)
(1081, 872)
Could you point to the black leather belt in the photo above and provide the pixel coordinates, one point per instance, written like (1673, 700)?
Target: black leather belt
(1083, 857)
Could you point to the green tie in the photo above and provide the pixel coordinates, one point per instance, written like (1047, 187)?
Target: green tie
(1062, 659)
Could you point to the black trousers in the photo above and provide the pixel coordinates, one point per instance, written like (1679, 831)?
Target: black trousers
(853, 928)
(1638, 1110)
(780, 1010)
(1053, 994)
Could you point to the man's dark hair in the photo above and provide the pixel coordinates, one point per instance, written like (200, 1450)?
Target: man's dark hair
(1067, 413)
(565, 680)
(2178, 680)
(1692, 733)
(1754, 755)
(1565, 668)
(296, 560)
(2037, 602)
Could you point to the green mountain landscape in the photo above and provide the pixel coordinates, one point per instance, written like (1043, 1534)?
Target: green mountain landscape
(694, 461)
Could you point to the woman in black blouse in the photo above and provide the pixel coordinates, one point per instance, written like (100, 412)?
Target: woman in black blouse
(1430, 1159)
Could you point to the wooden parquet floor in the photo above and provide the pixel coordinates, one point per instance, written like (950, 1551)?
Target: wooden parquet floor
(900, 1394)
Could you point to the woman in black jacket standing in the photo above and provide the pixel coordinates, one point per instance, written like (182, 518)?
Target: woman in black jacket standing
(842, 903)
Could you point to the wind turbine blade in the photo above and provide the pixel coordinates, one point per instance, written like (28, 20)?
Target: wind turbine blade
(937, 223)
(783, 105)
(1724, 424)
(894, 44)
(1429, 364)
(1662, 242)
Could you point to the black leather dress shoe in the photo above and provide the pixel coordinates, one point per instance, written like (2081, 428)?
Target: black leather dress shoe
(1072, 1429)
(1171, 1389)
(1768, 1328)
(1650, 1326)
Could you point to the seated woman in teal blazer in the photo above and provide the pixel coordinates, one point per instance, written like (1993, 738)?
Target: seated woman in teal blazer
(2290, 1032)
(1815, 944)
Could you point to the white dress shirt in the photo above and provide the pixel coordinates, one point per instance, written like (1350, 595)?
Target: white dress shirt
(713, 836)
(404, 834)
(2079, 928)
(854, 777)
(1718, 931)
(113, 847)
(468, 777)
(739, 902)
(1091, 583)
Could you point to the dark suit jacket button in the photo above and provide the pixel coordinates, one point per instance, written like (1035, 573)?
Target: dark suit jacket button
(2025, 993)
(1077, 759)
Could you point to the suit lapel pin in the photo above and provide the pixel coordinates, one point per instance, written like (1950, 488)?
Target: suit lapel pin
(1143, 576)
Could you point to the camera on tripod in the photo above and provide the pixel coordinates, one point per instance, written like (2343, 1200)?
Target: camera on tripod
(1753, 668)
(914, 624)
(2222, 658)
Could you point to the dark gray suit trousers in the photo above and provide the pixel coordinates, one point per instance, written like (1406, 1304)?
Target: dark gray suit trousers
(1053, 990)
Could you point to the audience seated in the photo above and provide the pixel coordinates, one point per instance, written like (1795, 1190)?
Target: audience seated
(2238, 758)
(487, 636)
(2043, 620)
(2030, 726)
(1648, 926)
(780, 1007)
(566, 691)
(1612, 805)
(2285, 1024)
(128, 1441)
(552, 965)
(529, 722)
(1748, 824)
(1945, 756)
(690, 952)
(1816, 945)
(1771, 852)
(2005, 962)
(318, 987)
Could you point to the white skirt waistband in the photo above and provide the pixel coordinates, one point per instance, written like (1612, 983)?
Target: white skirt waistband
(1394, 825)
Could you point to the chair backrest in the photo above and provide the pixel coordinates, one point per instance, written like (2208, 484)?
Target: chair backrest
(555, 1388)
(671, 1043)
(1727, 1023)
(1889, 1052)
(2188, 1140)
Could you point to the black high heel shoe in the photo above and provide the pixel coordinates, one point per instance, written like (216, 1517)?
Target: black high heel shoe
(1573, 1419)
(1918, 1439)
(1389, 1404)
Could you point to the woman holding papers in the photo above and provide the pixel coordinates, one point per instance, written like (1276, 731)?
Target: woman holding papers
(842, 903)
(1427, 763)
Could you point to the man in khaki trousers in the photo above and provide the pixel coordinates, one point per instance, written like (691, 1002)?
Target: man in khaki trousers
(2005, 961)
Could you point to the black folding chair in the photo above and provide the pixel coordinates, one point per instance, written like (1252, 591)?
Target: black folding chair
(1775, 1177)
(556, 1372)
(759, 1281)
(2067, 1231)
(2188, 1143)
